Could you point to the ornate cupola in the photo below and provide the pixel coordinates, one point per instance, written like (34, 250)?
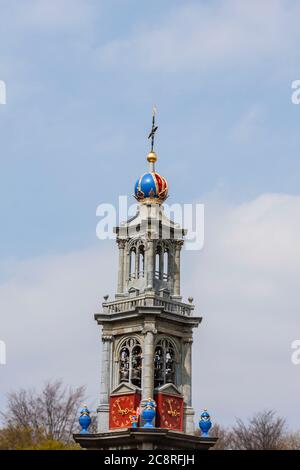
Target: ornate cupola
(150, 243)
(151, 187)
(147, 329)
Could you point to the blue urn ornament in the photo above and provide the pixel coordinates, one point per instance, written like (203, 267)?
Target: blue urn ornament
(84, 420)
(149, 413)
(205, 423)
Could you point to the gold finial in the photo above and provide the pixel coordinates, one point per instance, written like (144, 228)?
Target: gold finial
(152, 157)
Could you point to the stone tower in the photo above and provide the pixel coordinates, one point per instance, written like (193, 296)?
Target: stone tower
(147, 330)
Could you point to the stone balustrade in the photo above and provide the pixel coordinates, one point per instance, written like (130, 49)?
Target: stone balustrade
(130, 304)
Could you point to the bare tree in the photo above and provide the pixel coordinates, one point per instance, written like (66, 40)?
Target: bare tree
(265, 431)
(53, 411)
(291, 441)
(223, 435)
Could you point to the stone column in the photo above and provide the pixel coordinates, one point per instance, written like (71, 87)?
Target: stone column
(149, 332)
(187, 371)
(103, 409)
(161, 264)
(177, 269)
(126, 268)
(171, 268)
(136, 268)
(187, 386)
(121, 244)
(150, 264)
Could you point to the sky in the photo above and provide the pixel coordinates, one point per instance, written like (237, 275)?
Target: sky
(81, 79)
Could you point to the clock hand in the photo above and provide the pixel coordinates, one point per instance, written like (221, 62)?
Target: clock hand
(170, 412)
(121, 411)
(118, 403)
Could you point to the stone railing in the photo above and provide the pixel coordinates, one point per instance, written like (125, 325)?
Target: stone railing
(130, 304)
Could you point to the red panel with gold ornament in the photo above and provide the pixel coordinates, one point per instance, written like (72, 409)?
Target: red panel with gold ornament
(169, 411)
(121, 408)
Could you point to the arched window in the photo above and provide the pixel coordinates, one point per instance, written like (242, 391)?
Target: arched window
(157, 265)
(164, 363)
(166, 265)
(158, 262)
(130, 362)
(132, 264)
(141, 262)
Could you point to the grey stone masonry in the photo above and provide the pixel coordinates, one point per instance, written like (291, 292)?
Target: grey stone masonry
(149, 252)
(144, 439)
(147, 330)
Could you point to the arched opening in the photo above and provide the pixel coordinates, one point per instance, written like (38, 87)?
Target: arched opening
(158, 263)
(130, 362)
(164, 363)
(132, 263)
(136, 366)
(141, 269)
(124, 364)
(166, 265)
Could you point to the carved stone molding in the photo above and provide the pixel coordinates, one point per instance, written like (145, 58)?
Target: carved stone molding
(149, 329)
(188, 340)
(179, 244)
(121, 243)
(106, 338)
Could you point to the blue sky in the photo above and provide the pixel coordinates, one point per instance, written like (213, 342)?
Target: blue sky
(78, 107)
(82, 77)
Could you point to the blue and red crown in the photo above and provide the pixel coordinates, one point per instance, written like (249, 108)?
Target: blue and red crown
(151, 186)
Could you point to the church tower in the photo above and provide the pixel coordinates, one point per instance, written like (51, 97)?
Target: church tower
(147, 330)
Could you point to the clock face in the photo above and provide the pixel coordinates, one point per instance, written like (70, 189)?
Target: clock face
(171, 412)
(121, 408)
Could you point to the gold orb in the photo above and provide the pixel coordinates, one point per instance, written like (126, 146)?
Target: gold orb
(152, 157)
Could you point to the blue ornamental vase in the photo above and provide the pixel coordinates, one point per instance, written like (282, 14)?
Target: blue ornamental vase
(149, 413)
(205, 423)
(84, 420)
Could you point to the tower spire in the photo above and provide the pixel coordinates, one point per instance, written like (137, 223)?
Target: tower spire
(152, 157)
(154, 128)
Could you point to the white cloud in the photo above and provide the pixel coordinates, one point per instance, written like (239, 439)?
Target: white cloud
(198, 35)
(245, 284)
(46, 319)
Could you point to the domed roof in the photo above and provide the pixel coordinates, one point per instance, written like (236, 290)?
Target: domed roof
(151, 187)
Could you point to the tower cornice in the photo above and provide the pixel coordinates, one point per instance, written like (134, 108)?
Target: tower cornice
(143, 312)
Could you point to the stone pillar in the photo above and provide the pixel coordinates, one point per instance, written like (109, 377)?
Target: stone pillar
(187, 371)
(126, 268)
(189, 413)
(171, 268)
(136, 267)
(150, 264)
(161, 264)
(103, 409)
(177, 269)
(121, 244)
(149, 332)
